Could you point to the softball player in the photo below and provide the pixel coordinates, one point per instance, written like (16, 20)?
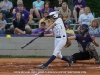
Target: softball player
(59, 33)
(84, 40)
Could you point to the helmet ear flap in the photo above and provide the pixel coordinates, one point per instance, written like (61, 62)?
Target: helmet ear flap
(55, 16)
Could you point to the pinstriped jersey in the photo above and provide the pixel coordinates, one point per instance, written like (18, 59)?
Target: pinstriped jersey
(59, 29)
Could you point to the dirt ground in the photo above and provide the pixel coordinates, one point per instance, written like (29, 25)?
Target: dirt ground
(29, 66)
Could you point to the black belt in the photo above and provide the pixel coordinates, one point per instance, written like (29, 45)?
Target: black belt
(60, 36)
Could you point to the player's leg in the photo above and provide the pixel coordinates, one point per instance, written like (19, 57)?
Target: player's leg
(94, 54)
(51, 58)
(80, 56)
(57, 52)
(58, 46)
(60, 56)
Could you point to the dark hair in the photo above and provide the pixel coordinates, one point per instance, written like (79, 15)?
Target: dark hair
(47, 2)
(2, 16)
(43, 23)
(16, 14)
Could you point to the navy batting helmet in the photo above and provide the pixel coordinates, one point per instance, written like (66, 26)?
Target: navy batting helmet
(84, 29)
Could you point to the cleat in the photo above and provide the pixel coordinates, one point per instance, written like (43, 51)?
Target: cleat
(70, 63)
(42, 66)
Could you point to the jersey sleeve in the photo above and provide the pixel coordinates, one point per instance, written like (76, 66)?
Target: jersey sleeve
(76, 37)
(90, 39)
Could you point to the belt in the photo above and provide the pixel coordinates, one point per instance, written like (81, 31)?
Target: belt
(60, 36)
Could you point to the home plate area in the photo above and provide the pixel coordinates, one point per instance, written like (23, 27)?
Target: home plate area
(29, 66)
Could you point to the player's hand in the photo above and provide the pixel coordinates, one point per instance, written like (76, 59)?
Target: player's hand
(41, 34)
(93, 38)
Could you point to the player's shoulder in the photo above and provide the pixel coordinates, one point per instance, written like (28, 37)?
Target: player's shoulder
(59, 19)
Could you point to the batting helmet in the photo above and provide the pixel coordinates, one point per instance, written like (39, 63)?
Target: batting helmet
(85, 29)
(53, 14)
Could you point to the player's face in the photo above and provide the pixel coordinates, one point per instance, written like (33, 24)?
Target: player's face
(82, 30)
(51, 19)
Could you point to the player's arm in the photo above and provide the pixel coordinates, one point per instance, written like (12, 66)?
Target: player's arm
(94, 41)
(72, 37)
(48, 35)
(51, 26)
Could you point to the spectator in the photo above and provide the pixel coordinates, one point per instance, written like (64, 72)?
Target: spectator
(86, 18)
(65, 11)
(2, 24)
(19, 1)
(41, 29)
(37, 6)
(79, 6)
(25, 15)
(19, 24)
(93, 29)
(46, 8)
(58, 5)
(5, 7)
(16, 8)
(45, 19)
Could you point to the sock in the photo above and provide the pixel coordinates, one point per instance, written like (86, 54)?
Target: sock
(50, 60)
(71, 58)
(65, 59)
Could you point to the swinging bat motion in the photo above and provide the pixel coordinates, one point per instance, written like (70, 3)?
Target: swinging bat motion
(29, 42)
(40, 35)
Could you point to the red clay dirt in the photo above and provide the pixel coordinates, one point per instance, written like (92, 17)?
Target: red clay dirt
(29, 66)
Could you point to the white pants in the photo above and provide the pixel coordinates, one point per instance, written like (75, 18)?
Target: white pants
(59, 44)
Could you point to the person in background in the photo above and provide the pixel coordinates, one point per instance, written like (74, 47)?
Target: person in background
(66, 13)
(16, 8)
(37, 6)
(46, 8)
(45, 19)
(5, 8)
(26, 16)
(41, 29)
(3, 23)
(58, 5)
(19, 24)
(94, 28)
(68, 29)
(79, 6)
(86, 18)
(19, 1)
